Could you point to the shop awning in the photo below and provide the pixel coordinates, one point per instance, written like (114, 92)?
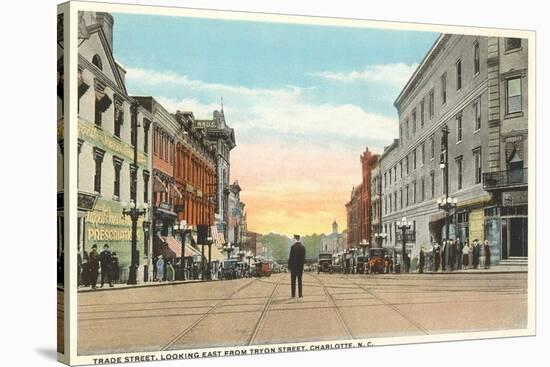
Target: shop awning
(175, 191)
(173, 245)
(158, 185)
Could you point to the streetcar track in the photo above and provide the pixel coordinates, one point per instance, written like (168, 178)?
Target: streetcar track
(283, 310)
(395, 308)
(262, 317)
(204, 316)
(336, 309)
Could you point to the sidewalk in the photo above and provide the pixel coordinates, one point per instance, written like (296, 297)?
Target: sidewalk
(106, 287)
(497, 269)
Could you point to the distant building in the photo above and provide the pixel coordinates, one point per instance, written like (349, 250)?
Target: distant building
(332, 242)
(353, 215)
(369, 161)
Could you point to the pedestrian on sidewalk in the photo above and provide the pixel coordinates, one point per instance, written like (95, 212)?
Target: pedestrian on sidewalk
(444, 255)
(296, 261)
(170, 272)
(106, 259)
(421, 260)
(459, 247)
(437, 256)
(160, 268)
(487, 251)
(452, 255)
(94, 266)
(85, 276)
(114, 267)
(475, 253)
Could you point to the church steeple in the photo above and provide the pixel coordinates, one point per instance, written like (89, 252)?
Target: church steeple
(335, 227)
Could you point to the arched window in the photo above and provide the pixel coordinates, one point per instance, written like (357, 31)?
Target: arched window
(96, 60)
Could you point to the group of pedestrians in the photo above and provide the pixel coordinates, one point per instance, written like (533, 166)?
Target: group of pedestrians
(90, 265)
(454, 255)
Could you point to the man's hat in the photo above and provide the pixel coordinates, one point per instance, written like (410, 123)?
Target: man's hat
(297, 237)
(94, 246)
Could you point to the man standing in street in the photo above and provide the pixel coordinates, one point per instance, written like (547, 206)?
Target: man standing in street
(296, 260)
(106, 260)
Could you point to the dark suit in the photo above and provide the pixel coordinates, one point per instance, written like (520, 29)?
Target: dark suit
(296, 266)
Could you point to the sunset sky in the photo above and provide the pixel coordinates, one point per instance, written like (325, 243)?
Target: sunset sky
(304, 100)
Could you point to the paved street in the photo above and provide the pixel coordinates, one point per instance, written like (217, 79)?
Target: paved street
(260, 311)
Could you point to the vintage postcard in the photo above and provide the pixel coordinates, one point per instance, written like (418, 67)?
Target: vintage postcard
(223, 175)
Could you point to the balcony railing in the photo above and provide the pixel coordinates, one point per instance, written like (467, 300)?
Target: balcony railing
(505, 179)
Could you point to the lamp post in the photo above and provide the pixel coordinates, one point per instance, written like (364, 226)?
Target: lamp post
(183, 230)
(447, 203)
(404, 225)
(364, 244)
(146, 228)
(134, 212)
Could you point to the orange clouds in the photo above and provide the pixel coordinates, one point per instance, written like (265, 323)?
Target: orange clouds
(295, 188)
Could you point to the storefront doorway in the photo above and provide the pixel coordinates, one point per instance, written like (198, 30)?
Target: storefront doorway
(518, 237)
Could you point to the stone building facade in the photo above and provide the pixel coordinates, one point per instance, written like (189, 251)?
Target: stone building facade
(107, 136)
(455, 87)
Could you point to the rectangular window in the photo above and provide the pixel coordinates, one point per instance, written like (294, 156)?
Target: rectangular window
(513, 95)
(459, 128)
(395, 201)
(407, 164)
(401, 134)
(401, 169)
(117, 164)
(407, 128)
(423, 152)
(395, 173)
(432, 180)
(431, 106)
(390, 204)
(98, 159)
(444, 88)
(146, 186)
(400, 198)
(422, 189)
(390, 176)
(414, 192)
(146, 125)
(432, 147)
(414, 159)
(477, 115)
(477, 164)
(133, 181)
(119, 115)
(458, 75)
(414, 122)
(385, 180)
(476, 57)
(407, 202)
(459, 172)
(422, 113)
(513, 43)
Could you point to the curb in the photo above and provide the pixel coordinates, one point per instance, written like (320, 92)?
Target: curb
(143, 285)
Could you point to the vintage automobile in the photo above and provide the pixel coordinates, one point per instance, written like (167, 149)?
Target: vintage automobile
(360, 265)
(376, 262)
(228, 269)
(325, 262)
(262, 269)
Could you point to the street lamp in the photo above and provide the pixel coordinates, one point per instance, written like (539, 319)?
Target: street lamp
(380, 237)
(182, 229)
(447, 203)
(134, 212)
(404, 226)
(352, 252)
(229, 249)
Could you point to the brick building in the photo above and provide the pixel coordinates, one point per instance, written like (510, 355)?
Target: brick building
(369, 161)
